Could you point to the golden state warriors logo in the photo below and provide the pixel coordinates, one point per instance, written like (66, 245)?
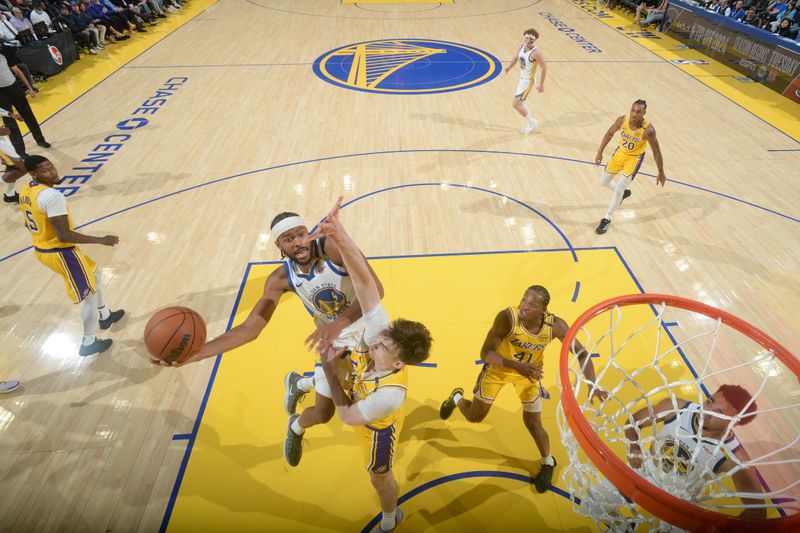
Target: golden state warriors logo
(407, 66)
(329, 301)
(674, 458)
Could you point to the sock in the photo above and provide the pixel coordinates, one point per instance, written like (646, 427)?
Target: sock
(296, 427)
(10, 189)
(388, 520)
(457, 397)
(305, 384)
(548, 460)
(88, 314)
(616, 198)
(87, 340)
(530, 119)
(101, 304)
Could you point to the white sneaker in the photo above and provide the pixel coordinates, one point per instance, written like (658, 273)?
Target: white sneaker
(9, 386)
(530, 127)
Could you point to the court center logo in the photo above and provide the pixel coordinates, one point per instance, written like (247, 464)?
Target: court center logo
(407, 66)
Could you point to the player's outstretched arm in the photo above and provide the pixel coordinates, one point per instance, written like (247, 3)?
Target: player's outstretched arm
(364, 284)
(607, 139)
(67, 235)
(255, 322)
(745, 481)
(514, 60)
(348, 411)
(560, 328)
(642, 419)
(650, 133)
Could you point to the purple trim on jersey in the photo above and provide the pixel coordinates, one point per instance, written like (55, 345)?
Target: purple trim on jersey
(638, 165)
(382, 449)
(77, 274)
(52, 250)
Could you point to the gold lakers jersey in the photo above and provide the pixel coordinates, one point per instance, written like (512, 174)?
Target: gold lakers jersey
(632, 142)
(365, 382)
(524, 346)
(42, 231)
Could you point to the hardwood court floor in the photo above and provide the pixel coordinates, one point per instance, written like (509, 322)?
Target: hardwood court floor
(247, 130)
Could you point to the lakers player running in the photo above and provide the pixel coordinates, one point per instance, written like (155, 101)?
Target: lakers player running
(635, 132)
(313, 271)
(513, 353)
(46, 216)
(378, 385)
(693, 439)
(529, 57)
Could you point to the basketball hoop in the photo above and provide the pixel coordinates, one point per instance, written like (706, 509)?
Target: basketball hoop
(695, 498)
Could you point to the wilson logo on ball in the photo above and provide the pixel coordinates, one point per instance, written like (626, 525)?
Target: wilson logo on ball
(178, 350)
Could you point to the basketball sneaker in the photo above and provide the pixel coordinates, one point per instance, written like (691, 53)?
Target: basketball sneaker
(11, 199)
(9, 386)
(293, 394)
(531, 127)
(544, 479)
(398, 517)
(449, 405)
(293, 447)
(115, 316)
(603, 226)
(98, 346)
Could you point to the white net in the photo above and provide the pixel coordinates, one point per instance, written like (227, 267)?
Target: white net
(662, 363)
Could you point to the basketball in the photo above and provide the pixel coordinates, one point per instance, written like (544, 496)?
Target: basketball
(174, 334)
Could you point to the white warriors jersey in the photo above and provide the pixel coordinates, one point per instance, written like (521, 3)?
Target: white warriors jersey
(527, 63)
(682, 448)
(326, 290)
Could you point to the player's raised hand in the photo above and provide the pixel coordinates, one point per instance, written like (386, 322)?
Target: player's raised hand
(329, 226)
(332, 354)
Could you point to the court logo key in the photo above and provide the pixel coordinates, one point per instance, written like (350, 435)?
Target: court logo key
(407, 66)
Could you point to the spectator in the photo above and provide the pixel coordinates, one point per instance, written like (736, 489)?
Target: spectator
(19, 22)
(7, 31)
(737, 13)
(723, 8)
(120, 8)
(643, 9)
(97, 31)
(12, 96)
(789, 13)
(71, 22)
(783, 29)
(656, 14)
(40, 15)
(114, 22)
(751, 18)
(713, 6)
(775, 9)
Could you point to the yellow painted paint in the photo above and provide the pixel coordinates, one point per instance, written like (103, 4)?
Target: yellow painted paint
(237, 478)
(765, 103)
(60, 90)
(398, 1)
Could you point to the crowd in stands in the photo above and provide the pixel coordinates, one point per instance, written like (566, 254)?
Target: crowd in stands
(781, 18)
(93, 24)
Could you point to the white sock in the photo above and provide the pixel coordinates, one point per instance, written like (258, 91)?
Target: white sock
(296, 427)
(305, 384)
(616, 198)
(88, 314)
(88, 339)
(457, 397)
(530, 119)
(10, 189)
(101, 304)
(388, 520)
(548, 460)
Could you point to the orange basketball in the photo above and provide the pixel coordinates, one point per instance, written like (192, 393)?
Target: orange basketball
(174, 334)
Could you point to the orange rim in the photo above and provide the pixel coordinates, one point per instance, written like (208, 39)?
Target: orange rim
(655, 500)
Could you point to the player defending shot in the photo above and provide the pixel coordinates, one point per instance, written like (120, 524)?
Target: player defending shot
(312, 270)
(378, 385)
(529, 57)
(54, 242)
(694, 441)
(635, 132)
(513, 353)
